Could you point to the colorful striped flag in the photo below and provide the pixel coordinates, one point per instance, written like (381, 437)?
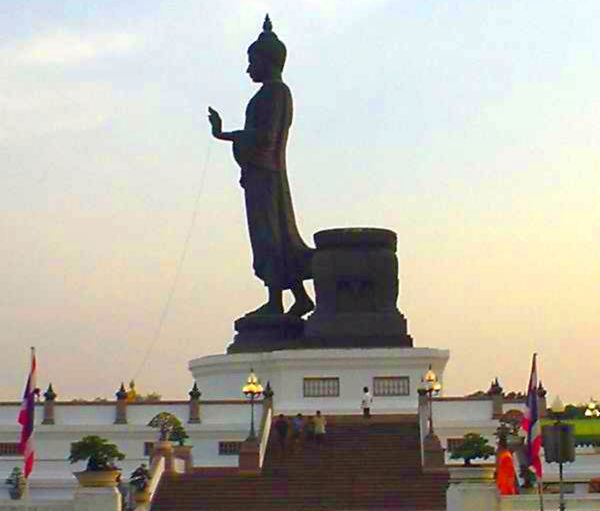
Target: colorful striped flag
(531, 424)
(26, 418)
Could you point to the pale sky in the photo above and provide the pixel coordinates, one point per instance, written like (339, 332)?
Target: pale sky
(469, 128)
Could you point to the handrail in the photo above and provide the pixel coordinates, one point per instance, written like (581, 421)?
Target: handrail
(265, 433)
(157, 469)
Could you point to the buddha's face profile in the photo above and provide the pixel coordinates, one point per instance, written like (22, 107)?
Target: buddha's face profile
(257, 67)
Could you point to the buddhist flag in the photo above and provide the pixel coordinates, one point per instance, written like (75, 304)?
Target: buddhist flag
(26, 418)
(531, 423)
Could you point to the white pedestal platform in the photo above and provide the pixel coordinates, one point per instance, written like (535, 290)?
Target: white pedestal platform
(222, 376)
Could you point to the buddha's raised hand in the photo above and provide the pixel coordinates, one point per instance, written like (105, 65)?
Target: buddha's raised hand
(215, 121)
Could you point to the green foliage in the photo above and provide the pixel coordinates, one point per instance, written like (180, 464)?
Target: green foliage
(16, 478)
(529, 479)
(150, 397)
(100, 454)
(587, 431)
(573, 412)
(179, 434)
(170, 427)
(472, 447)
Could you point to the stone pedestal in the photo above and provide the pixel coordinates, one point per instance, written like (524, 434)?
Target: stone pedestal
(249, 463)
(472, 489)
(356, 284)
(267, 333)
(50, 397)
(221, 376)
(433, 452)
(184, 452)
(97, 499)
(165, 449)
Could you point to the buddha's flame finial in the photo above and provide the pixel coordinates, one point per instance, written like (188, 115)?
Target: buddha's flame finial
(267, 25)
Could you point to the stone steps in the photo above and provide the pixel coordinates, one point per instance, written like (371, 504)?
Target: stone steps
(360, 466)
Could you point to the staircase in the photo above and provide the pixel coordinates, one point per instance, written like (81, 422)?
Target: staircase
(362, 465)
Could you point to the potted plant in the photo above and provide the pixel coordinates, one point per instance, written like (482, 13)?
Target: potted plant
(472, 447)
(139, 480)
(100, 456)
(17, 484)
(167, 424)
(178, 434)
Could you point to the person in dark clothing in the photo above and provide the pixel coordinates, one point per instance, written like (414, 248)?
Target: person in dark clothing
(297, 429)
(281, 426)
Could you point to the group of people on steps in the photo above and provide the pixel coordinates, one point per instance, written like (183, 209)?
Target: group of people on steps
(312, 428)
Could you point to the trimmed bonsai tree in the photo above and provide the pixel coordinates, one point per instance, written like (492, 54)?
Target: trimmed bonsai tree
(170, 427)
(473, 446)
(100, 454)
(179, 434)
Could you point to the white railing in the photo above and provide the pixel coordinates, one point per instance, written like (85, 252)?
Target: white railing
(157, 468)
(266, 431)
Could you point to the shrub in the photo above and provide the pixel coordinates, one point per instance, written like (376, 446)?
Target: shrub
(472, 447)
(100, 455)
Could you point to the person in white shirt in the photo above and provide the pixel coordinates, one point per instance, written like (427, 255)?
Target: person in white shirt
(366, 402)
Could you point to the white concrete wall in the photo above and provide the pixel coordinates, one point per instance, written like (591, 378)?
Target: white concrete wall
(52, 476)
(222, 376)
(36, 505)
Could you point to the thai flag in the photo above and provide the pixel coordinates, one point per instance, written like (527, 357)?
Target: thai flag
(531, 424)
(26, 418)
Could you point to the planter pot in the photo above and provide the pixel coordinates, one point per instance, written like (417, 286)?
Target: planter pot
(141, 496)
(16, 493)
(97, 479)
(472, 473)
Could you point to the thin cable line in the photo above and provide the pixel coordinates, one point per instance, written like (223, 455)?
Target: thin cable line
(175, 281)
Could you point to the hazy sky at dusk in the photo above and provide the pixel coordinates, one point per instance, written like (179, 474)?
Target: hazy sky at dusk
(469, 128)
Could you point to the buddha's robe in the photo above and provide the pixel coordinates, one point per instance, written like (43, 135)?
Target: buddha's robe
(505, 473)
(281, 258)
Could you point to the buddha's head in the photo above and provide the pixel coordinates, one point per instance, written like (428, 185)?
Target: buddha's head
(266, 56)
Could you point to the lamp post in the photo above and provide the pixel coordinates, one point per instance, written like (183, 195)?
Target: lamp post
(252, 389)
(558, 409)
(431, 385)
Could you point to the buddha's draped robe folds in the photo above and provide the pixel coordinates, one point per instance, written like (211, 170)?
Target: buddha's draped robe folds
(281, 258)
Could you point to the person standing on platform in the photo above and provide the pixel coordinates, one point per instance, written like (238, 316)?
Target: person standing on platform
(281, 426)
(320, 424)
(297, 427)
(366, 403)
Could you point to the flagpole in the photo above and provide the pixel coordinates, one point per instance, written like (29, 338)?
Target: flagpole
(34, 386)
(26, 419)
(28, 484)
(541, 494)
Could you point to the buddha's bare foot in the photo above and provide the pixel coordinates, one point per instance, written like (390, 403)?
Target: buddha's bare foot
(268, 309)
(301, 307)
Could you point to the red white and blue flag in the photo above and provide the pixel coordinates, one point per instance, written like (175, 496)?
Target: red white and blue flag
(26, 418)
(531, 424)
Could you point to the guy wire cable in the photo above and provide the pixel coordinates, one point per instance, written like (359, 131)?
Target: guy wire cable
(174, 282)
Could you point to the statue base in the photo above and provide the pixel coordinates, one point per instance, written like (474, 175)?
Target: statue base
(358, 330)
(258, 333)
